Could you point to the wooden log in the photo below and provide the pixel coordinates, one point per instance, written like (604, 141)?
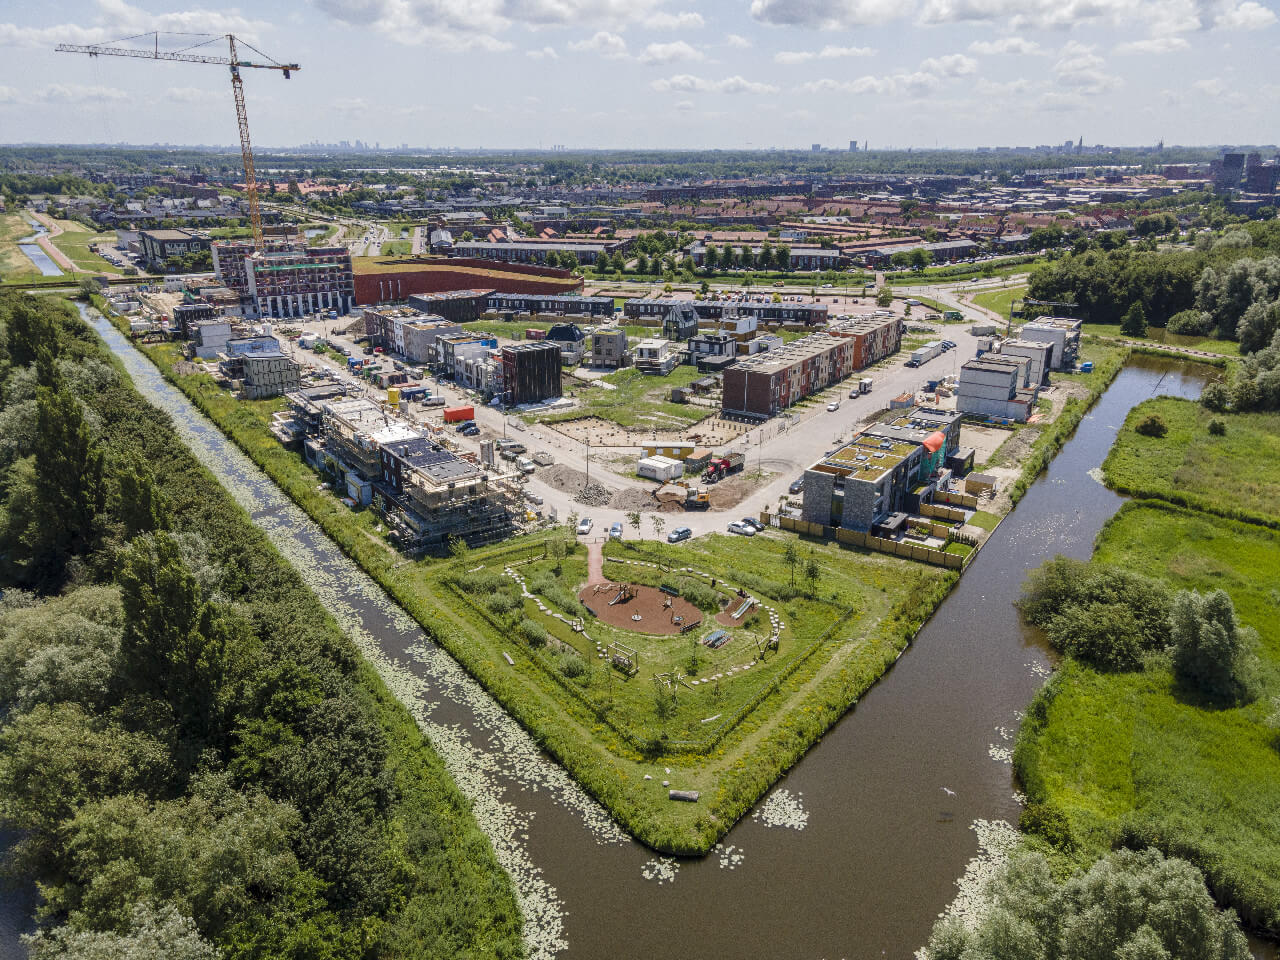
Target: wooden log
(688, 796)
(507, 657)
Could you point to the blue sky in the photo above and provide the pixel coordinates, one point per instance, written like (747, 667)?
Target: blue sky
(662, 73)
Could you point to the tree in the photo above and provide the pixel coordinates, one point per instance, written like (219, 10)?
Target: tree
(1212, 653)
(633, 519)
(556, 550)
(458, 548)
(1258, 325)
(782, 257)
(791, 557)
(138, 506)
(1135, 322)
(658, 525)
(155, 930)
(885, 297)
(1152, 426)
(812, 572)
(918, 259)
(711, 259)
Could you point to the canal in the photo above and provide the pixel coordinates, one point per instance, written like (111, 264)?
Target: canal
(36, 255)
(857, 849)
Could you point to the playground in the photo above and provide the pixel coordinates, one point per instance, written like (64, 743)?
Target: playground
(640, 609)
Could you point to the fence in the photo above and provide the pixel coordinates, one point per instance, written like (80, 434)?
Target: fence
(943, 512)
(856, 538)
(967, 500)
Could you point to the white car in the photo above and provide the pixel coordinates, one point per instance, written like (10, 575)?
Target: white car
(833, 406)
(584, 526)
(741, 529)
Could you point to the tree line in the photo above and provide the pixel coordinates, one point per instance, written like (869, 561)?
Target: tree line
(195, 757)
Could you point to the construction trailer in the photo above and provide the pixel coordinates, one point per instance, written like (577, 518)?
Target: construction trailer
(662, 469)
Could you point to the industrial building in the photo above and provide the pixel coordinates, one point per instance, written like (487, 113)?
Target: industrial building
(550, 303)
(609, 347)
(767, 383)
(456, 306)
(286, 280)
(870, 483)
(1063, 333)
(530, 373)
(1039, 353)
(996, 386)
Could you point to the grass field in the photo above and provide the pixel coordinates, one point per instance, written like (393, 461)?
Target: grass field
(635, 399)
(795, 699)
(1159, 336)
(964, 271)
(1000, 300)
(74, 242)
(397, 248)
(1128, 758)
(1233, 475)
(14, 264)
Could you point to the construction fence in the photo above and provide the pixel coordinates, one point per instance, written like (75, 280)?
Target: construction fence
(966, 500)
(855, 538)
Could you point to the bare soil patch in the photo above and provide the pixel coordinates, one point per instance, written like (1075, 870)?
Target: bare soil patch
(658, 611)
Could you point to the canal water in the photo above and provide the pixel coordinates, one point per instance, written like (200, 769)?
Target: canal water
(36, 255)
(857, 849)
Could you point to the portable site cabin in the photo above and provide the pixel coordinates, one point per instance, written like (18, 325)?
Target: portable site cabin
(660, 468)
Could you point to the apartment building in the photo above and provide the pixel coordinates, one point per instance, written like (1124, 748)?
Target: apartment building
(545, 303)
(286, 280)
(655, 356)
(609, 347)
(530, 372)
(996, 386)
(1062, 332)
(407, 332)
(159, 245)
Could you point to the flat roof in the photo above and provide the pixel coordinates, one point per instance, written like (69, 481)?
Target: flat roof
(867, 457)
(427, 456)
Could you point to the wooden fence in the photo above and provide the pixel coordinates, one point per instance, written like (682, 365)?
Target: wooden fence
(967, 500)
(942, 512)
(855, 538)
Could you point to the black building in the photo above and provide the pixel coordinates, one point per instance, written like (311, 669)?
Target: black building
(531, 372)
(185, 315)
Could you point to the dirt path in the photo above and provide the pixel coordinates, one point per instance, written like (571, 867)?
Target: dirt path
(595, 564)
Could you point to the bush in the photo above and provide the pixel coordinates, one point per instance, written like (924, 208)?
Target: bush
(701, 595)
(1049, 823)
(1211, 652)
(534, 633)
(1152, 426)
(571, 665)
(1217, 428)
(1190, 323)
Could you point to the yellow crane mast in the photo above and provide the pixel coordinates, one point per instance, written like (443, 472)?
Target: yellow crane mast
(237, 90)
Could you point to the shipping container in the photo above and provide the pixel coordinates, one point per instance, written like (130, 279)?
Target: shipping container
(459, 414)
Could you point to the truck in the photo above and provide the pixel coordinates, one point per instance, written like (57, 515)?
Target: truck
(543, 459)
(922, 355)
(511, 444)
(525, 465)
(721, 467)
(864, 385)
(459, 414)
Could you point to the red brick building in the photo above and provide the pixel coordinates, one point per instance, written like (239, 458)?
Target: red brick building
(383, 279)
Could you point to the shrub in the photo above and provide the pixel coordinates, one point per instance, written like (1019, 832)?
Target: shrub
(1190, 323)
(1211, 652)
(1152, 426)
(1048, 822)
(701, 595)
(1217, 428)
(502, 604)
(534, 633)
(571, 665)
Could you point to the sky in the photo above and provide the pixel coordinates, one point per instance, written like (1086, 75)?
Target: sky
(731, 74)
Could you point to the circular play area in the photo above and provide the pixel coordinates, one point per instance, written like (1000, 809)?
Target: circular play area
(641, 609)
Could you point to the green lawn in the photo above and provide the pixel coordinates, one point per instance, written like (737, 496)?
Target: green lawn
(74, 242)
(1000, 300)
(1127, 759)
(1160, 337)
(14, 264)
(636, 399)
(1233, 475)
(964, 271)
(396, 248)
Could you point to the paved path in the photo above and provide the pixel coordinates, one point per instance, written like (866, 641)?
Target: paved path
(595, 564)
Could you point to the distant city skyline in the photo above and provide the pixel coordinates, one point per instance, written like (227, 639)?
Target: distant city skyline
(732, 74)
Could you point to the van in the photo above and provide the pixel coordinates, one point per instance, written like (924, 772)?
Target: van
(525, 465)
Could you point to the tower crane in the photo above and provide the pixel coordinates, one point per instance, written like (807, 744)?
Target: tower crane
(237, 89)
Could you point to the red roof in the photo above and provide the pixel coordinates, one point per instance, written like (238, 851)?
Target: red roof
(935, 441)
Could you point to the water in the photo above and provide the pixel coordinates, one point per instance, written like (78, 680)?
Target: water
(883, 843)
(36, 255)
(315, 232)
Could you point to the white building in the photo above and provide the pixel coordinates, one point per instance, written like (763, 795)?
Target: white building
(1062, 332)
(997, 386)
(655, 356)
(661, 469)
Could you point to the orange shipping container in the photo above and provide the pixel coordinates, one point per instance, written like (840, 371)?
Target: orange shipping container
(458, 414)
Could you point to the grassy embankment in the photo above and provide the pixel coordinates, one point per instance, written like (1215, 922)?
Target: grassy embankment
(1010, 267)
(788, 711)
(999, 301)
(74, 243)
(14, 264)
(455, 899)
(1233, 475)
(1131, 759)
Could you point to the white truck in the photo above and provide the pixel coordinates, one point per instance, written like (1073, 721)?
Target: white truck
(922, 355)
(525, 465)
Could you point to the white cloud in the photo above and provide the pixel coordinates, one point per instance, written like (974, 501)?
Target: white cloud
(737, 40)
(608, 45)
(898, 84)
(194, 94)
(826, 14)
(58, 93)
(8, 95)
(1154, 45)
(1245, 16)
(115, 18)
(952, 65)
(1079, 67)
(826, 53)
(1061, 102)
(1213, 86)
(662, 20)
(688, 83)
(481, 108)
(1005, 45)
(684, 105)
(672, 52)
(546, 53)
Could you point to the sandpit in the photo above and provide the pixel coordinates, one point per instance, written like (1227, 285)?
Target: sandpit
(659, 613)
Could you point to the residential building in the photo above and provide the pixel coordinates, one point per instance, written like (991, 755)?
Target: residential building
(764, 311)
(550, 303)
(868, 483)
(209, 337)
(407, 332)
(449, 347)
(252, 346)
(680, 321)
(267, 375)
(996, 386)
(712, 345)
(874, 338)
(1062, 332)
(286, 280)
(531, 372)
(187, 314)
(159, 245)
(354, 432)
(609, 347)
(515, 251)
(456, 306)
(655, 356)
(1040, 353)
(571, 339)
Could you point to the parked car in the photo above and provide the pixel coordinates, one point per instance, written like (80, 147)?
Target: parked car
(534, 498)
(471, 431)
(464, 426)
(949, 344)
(796, 485)
(754, 524)
(678, 534)
(833, 406)
(615, 531)
(742, 529)
(584, 526)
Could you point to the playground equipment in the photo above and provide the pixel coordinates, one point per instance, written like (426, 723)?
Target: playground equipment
(764, 646)
(624, 593)
(743, 607)
(624, 659)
